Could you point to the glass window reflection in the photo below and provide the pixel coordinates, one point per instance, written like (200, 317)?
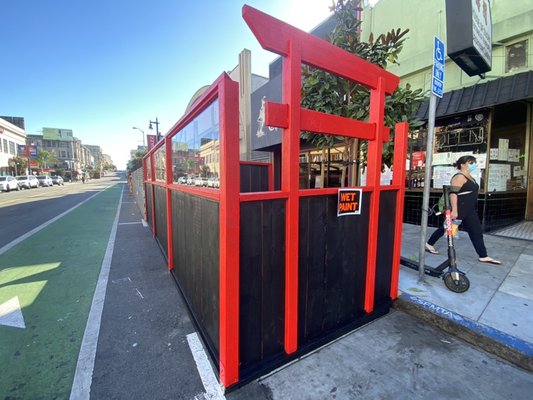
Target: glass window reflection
(159, 164)
(148, 169)
(196, 150)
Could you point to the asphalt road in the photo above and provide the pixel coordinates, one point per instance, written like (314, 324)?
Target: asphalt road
(21, 211)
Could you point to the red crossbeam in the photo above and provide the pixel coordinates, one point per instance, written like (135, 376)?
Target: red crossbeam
(275, 35)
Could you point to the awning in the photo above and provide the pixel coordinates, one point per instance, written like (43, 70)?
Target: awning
(499, 91)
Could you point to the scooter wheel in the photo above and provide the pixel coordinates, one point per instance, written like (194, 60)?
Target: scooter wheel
(459, 286)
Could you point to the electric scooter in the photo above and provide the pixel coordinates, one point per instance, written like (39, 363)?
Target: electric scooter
(454, 279)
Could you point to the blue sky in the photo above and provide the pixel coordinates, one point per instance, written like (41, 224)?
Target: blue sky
(101, 67)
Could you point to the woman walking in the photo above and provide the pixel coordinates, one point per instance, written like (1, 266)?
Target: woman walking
(463, 200)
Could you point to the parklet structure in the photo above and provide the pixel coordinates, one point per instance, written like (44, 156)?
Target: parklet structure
(271, 274)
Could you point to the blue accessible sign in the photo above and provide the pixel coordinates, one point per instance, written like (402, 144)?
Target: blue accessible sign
(437, 79)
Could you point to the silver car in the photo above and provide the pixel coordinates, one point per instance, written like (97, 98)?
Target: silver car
(45, 180)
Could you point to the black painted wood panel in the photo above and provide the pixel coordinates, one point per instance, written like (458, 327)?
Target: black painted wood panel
(149, 204)
(387, 215)
(332, 265)
(196, 247)
(254, 178)
(262, 281)
(160, 201)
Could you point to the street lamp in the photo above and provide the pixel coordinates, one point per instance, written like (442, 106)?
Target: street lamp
(156, 128)
(139, 129)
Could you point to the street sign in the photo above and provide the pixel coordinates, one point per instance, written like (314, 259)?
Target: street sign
(437, 80)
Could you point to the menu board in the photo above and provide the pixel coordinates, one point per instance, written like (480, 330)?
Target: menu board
(442, 175)
(498, 176)
(503, 149)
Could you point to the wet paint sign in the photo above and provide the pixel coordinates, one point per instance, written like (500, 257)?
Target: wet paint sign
(349, 202)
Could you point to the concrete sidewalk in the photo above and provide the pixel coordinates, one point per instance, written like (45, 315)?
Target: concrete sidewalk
(496, 313)
(142, 349)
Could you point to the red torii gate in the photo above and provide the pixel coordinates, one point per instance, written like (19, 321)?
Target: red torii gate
(297, 47)
(228, 318)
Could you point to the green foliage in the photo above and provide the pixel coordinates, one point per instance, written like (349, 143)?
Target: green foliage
(21, 164)
(45, 157)
(135, 163)
(322, 91)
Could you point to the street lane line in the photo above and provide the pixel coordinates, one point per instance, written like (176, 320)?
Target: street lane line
(129, 223)
(81, 386)
(211, 385)
(44, 225)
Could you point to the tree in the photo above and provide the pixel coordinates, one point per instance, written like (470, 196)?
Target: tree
(44, 157)
(19, 165)
(322, 91)
(135, 162)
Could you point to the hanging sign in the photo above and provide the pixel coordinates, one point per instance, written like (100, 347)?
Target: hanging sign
(349, 202)
(152, 141)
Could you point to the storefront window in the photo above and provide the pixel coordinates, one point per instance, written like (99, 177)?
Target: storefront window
(456, 136)
(516, 56)
(507, 170)
(196, 150)
(159, 163)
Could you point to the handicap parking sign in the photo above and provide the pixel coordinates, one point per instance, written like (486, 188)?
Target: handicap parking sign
(437, 79)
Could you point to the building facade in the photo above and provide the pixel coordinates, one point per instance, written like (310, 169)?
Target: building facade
(490, 118)
(67, 151)
(11, 137)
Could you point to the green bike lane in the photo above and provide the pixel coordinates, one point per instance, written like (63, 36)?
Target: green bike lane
(52, 277)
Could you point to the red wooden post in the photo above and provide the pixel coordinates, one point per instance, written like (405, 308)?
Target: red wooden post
(398, 179)
(373, 176)
(169, 180)
(229, 230)
(290, 153)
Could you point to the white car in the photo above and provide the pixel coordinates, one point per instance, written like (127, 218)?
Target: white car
(8, 183)
(27, 181)
(57, 180)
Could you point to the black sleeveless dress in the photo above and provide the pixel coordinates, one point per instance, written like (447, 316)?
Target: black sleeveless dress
(467, 198)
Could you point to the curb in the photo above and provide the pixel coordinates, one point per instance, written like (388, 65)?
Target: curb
(510, 348)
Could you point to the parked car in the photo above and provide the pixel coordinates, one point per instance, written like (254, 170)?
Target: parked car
(57, 180)
(27, 181)
(200, 182)
(213, 183)
(45, 180)
(182, 180)
(8, 183)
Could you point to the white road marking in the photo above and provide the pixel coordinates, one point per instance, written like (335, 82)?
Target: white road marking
(139, 293)
(81, 386)
(145, 224)
(129, 223)
(11, 314)
(211, 385)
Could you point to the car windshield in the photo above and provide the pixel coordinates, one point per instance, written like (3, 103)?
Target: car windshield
(41, 177)
(2, 178)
